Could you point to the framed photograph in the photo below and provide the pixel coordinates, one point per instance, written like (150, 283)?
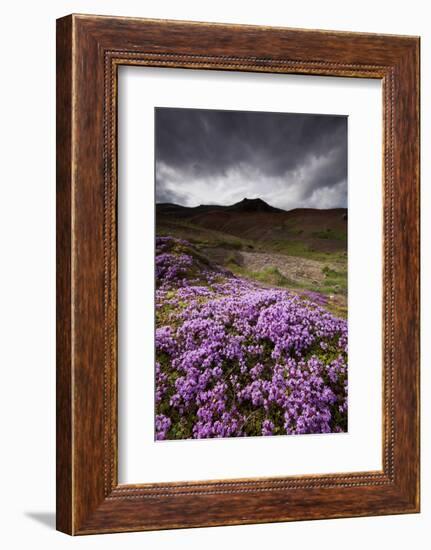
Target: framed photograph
(237, 274)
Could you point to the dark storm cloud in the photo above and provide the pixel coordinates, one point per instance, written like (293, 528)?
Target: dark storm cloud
(290, 160)
(165, 194)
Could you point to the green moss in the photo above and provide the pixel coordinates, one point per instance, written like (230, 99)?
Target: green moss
(335, 281)
(330, 234)
(253, 422)
(202, 237)
(327, 355)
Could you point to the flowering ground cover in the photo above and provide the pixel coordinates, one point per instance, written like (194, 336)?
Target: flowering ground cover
(235, 358)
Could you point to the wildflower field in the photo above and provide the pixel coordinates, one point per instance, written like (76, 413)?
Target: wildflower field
(235, 357)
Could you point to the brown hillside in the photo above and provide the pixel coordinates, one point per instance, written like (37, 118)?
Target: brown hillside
(255, 220)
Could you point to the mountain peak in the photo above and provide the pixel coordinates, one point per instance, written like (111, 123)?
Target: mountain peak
(254, 201)
(253, 205)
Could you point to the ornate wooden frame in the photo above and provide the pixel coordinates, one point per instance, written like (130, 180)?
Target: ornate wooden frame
(89, 51)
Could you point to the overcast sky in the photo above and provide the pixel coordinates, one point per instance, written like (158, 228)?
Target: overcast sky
(220, 157)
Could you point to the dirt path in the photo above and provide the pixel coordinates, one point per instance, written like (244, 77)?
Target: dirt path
(292, 267)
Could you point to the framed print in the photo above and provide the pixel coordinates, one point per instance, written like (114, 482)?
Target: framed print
(237, 274)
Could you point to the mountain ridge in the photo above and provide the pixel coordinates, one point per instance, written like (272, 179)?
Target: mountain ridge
(246, 205)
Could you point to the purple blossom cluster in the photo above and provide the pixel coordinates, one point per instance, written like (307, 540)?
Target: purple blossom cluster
(236, 359)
